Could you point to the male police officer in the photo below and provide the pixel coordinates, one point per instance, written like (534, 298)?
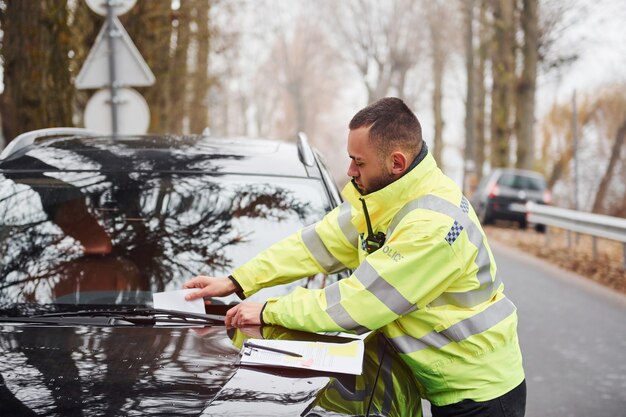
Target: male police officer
(423, 272)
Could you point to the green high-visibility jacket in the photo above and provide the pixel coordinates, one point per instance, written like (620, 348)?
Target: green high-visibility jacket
(433, 288)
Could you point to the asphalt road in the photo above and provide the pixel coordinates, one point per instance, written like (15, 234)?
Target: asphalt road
(573, 338)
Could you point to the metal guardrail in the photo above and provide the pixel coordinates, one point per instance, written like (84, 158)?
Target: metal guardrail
(595, 225)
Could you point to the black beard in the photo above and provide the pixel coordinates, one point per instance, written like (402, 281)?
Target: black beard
(381, 183)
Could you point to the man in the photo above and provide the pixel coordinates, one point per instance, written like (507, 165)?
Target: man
(423, 272)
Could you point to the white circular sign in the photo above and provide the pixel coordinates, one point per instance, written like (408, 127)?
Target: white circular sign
(133, 114)
(119, 6)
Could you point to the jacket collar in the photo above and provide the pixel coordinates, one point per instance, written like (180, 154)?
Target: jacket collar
(409, 186)
(419, 158)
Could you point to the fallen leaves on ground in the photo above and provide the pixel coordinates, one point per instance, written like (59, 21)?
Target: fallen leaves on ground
(569, 251)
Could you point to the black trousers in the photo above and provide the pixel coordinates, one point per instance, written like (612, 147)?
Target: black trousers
(511, 404)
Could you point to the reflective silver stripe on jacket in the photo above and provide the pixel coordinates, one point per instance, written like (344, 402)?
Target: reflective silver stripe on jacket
(387, 374)
(487, 287)
(458, 332)
(381, 289)
(351, 393)
(375, 284)
(345, 224)
(319, 251)
(338, 313)
(316, 246)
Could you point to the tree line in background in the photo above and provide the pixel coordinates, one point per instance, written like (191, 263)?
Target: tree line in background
(271, 68)
(413, 49)
(514, 43)
(45, 44)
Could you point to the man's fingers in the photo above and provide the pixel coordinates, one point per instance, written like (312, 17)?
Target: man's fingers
(199, 281)
(194, 295)
(230, 315)
(244, 314)
(209, 287)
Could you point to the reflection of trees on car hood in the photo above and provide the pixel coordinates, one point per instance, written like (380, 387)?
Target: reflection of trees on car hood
(100, 371)
(139, 229)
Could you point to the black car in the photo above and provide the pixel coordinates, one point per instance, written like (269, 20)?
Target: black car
(91, 226)
(501, 194)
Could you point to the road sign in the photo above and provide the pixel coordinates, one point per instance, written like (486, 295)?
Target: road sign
(133, 117)
(130, 67)
(119, 6)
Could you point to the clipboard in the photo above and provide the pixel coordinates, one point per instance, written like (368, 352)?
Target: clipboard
(345, 358)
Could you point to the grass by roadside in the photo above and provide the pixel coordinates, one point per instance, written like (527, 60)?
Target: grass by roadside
(574, 253)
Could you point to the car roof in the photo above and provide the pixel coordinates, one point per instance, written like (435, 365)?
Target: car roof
(160, 153)
(518, 171)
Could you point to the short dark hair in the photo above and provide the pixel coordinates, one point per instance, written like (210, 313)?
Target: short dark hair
(392, 124)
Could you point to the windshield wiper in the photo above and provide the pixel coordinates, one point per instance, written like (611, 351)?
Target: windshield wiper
(70, 320)
(121, 317)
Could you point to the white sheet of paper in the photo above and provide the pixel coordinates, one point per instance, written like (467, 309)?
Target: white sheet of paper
(345, 358)
(175, 300)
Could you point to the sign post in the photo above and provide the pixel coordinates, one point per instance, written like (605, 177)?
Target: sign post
(112, 64)
(112, 80)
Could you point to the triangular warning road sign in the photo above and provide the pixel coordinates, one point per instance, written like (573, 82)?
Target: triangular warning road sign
(130, 67)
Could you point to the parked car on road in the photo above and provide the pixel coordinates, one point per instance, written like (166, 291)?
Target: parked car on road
(91, 226)
(499, 192)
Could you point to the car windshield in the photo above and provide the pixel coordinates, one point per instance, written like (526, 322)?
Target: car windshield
(521, 182)
(115, 238)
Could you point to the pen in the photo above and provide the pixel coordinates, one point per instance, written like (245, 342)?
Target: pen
(271, 349)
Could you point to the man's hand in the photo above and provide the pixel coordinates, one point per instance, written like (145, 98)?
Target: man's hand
(244, 314)
(210, 287)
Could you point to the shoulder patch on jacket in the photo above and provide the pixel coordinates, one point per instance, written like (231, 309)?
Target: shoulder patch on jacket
(457, 228)
(454, 232)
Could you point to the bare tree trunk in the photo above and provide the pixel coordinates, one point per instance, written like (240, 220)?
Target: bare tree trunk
(149, 25)
(608, 175)
(226, 120)
(293, 83)
(178, 85)
(586, 113)
(84, 26)
(200, 81)
(438, 111)
(439, 56)
(503, 68)
(560, 166)
(383, 40)
(469, 171)
(401, 83)
(526, 85)
(479, 79)
(35, 52)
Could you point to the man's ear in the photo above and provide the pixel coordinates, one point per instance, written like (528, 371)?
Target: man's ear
(399, 163)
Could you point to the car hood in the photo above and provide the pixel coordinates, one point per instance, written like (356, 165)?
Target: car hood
(164, 371)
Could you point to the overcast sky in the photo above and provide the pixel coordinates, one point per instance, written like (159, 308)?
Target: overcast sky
(600, 38)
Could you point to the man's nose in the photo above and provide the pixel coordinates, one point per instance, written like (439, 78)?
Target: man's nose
(352, 171)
